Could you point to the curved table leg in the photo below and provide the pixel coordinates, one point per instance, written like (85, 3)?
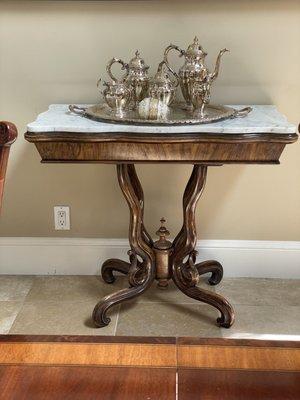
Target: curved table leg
(111, 265)
(99, 314)
(114, 264)
(185, 273)
(213, 267)
(215, 300)
(141, 274)
(140, 195)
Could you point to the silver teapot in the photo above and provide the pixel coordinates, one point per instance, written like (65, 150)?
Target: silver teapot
(194, 70)
(118, 93)
(161, 86)
(138, 78)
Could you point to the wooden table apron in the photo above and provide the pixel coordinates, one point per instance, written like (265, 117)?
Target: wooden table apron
(161, 260)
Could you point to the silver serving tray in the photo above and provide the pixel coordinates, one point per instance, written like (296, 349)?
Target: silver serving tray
(178, 115)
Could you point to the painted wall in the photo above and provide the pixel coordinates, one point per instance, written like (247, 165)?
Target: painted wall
(54, 51)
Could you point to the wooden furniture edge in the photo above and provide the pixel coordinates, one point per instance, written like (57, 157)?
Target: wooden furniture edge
(149, 352)
(8, 133)
(195, 341)
(186, 340)
(92, 351)
(165, 138)
(86, 339)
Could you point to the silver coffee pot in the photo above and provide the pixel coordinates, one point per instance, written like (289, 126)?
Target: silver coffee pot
(138, 78)
(194, 70)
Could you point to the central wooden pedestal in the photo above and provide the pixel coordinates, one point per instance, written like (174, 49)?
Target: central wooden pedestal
(162, 260)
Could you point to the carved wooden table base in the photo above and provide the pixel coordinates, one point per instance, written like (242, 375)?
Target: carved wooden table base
(162, 260)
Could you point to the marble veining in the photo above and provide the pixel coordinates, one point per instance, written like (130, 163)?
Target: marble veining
(262, 119)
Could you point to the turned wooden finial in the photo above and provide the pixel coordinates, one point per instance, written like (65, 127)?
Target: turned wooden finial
(162, 248)
(162, 233)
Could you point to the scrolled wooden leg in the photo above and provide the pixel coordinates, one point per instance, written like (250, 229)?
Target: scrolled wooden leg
(141, 274)
(111, 265)
(99, 314)
(114, 264)
(215, 300)
(213, 267)
(185, 273)
(140, 195)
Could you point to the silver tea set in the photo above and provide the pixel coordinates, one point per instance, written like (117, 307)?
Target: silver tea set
(128, 92)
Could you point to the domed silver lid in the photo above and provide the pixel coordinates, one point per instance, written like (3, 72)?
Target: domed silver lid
(138, 63)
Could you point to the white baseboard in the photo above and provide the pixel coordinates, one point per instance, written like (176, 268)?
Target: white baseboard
(79, 256)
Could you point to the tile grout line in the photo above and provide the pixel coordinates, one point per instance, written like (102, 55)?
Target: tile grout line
(176, 377)
(17, 314)
(21, 307)
(119, 307)
(117, 320)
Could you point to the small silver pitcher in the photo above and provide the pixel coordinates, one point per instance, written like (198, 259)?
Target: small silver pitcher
(117, 93)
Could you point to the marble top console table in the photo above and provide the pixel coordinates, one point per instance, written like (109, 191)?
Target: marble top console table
(61, 136)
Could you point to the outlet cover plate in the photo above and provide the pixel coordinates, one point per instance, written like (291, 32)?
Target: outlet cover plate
(62, 218)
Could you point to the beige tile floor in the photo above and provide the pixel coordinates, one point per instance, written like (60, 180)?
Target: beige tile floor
(265, 308)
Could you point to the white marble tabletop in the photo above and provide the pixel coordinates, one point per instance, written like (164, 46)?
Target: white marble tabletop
(262, 119)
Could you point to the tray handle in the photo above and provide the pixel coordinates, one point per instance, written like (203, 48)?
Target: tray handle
(242, 112)
(77, 110)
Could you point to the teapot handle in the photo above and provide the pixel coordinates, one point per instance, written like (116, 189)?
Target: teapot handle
(124, 66)
(166, 53)
(176, 78)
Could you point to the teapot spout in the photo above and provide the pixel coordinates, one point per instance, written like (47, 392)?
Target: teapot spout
(215, 74)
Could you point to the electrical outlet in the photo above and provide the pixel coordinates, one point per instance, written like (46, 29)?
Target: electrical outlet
(62, 218)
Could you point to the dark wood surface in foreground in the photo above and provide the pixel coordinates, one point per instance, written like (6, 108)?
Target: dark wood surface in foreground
(237, 385)
(86, 383)
(121, 368)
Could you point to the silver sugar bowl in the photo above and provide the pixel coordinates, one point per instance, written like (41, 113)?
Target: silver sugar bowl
(138, 78)
(117, 93)
(161, 86)
(200, 97)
